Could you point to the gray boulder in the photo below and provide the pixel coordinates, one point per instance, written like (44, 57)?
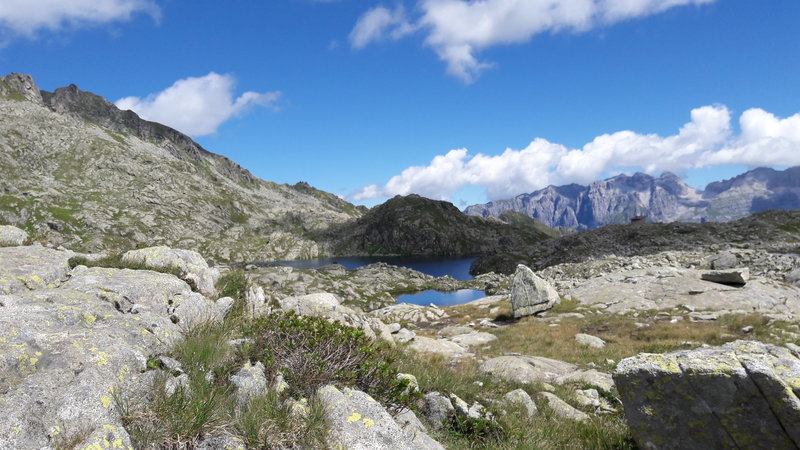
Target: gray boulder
(589, 340)
(412, 426)
(724, 260)
(743, 394)
(438, 409)
(356, 421)
(442, 347)
(793, 277)
(531, 294)
(193, 266)
(32, 267)
(738, 277)
(518, 398)
(562, 408)
(250, 382)
(12, 236)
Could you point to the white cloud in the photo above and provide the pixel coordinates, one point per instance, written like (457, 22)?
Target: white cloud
(457, 30)
(26, 17)
(379, 23)
(197, 105)
(708, 139)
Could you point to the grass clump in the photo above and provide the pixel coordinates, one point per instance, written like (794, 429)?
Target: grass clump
(312, 352)
(232, 284)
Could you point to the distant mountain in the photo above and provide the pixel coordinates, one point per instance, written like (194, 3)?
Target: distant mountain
(663, 199)
(77, 171)
(417, 225)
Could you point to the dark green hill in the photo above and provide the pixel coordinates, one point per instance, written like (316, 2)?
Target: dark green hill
(421, 226)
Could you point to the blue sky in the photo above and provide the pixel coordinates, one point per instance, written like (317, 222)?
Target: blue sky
(465, 101)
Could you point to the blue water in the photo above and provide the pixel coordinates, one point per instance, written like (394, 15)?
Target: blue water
(457, 268)
(442, 298)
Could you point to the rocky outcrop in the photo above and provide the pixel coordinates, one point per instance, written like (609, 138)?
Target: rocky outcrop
(741, 395)
(663, 199)
(194, 268)
(327, 305)
(12, 236)
(70, 339)
(530, 294)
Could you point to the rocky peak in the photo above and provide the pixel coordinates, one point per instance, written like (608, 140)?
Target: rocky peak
(18, 86)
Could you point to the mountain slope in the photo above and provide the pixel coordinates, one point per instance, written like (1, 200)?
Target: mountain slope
(420, 226)
(772, 230)
(79, 172)
(662, 199)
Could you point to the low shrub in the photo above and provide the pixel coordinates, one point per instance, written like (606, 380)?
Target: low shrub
(311, 352)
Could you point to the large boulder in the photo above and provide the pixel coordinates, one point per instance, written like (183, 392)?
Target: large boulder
(193, 266)
(443, 347)
(356, 421)
(531, 294)
(12, 236)
(743, 394)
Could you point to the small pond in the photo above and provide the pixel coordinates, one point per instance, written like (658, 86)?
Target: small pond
(442, 298)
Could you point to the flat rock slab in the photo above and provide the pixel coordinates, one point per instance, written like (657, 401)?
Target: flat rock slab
(438, 346)
(532, 369)
(473, 339)
(64, 351)
(31, 267)
(631, 290)
(741, 395)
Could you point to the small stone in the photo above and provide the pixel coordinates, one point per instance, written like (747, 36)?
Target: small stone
(747, 329)
(590, 341)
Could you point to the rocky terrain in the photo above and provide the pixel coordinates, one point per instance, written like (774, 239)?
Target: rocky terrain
(416, 225)
(578, 355)
(775, 231)
(663, 199)
(79, 172)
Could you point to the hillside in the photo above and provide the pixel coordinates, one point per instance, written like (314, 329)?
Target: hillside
(81, 173)
(421, 226)
(663, 199)
(773, 230)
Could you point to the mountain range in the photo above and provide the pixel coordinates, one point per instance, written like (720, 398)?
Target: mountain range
(661, 199)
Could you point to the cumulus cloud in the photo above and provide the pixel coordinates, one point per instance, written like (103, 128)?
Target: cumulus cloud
(380, 23)
(457, 30)
(708, 139)
(26, 17)
(197, 105)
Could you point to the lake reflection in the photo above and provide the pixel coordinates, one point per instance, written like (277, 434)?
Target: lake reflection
(442, 298)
